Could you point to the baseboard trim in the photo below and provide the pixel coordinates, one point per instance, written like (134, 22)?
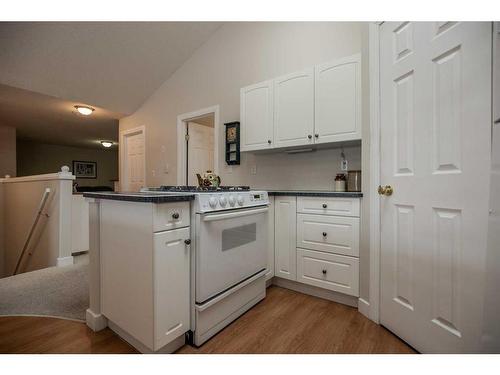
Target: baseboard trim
(364, 307)
(171, 347)
(96, 322)
(64, 261)
(316, 292)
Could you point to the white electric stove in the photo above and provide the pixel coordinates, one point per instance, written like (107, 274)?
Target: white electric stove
(230, 230)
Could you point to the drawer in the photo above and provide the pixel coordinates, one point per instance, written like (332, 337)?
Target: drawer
(168, 216)
(333, 234)
(328, 206)
(334, 272)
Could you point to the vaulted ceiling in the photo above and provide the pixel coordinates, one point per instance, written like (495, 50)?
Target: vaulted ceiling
(113, 65)
(48, 67)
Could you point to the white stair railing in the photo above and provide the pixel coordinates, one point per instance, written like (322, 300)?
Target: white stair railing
(41, 206)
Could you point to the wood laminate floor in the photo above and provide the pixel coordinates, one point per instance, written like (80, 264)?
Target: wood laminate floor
(285, 322)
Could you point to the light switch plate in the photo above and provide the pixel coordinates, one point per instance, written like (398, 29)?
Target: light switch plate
(343, 165)
(253, 169)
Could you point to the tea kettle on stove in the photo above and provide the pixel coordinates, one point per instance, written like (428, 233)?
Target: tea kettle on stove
(209, 179)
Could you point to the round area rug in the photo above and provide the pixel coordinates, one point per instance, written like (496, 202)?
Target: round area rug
(56, 291)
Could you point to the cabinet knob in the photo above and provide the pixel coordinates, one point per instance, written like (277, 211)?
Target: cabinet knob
(269, 141)
(175, 215)
(187, 242)
(309, 136)
(325, 205)
(324, 272)
(316, 135)
(325, 234)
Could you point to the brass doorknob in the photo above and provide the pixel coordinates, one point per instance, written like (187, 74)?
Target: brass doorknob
(385, 190)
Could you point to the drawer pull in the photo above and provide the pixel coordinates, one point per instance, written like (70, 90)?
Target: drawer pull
(175, 215)
(325, 205)
(325, 234)
(324, 272)
(187, 242)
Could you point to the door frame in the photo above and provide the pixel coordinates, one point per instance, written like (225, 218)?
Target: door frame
(182, 121)
(374, 79)
(122, 151)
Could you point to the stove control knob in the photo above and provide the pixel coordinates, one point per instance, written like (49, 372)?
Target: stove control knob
(223, 201)
(241, 200)
(212, 202)
(232, 200)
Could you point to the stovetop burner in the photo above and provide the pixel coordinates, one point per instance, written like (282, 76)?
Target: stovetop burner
(199, 189)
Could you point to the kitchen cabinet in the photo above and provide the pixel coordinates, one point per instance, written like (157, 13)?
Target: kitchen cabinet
(318, 105)
(171, 285)
(270, 241)
(256, 116)
(337, 105)
(145, 271)
(317, 241)
(294, 109)
(285, 215)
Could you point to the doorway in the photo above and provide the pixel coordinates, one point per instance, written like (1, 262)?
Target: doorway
(197, 144)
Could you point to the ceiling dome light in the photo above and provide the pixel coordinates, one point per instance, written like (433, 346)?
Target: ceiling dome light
(84, 110)
(107, 144)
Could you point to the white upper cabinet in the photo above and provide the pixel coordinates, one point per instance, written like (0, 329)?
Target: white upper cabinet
(294, 109)
(314, 106)
(256, 116)
(338, 100)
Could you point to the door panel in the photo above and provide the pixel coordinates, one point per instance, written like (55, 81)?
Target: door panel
(134, 163)
(200, 151)
(256, 112)
(285, 226)
(171, 285)
(338, 100)
(294, 109)
(435, 82)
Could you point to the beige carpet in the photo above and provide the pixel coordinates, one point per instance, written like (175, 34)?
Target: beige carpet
(55, 291)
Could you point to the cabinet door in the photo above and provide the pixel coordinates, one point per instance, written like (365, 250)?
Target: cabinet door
(270, 240)
(256, 116)
(294, 109)
(285, 218)
(338, 100)
(171, 285)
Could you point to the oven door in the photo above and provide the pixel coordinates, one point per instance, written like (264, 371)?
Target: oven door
(231, 247)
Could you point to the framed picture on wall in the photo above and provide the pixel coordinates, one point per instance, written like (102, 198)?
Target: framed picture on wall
(84, 169)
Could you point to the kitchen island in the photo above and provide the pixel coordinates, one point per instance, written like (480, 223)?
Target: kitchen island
(140, 267)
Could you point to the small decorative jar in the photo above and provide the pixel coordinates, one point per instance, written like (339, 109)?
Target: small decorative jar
(340, 182)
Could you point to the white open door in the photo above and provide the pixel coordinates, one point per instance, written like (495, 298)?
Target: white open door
(435, 86)
(200, 151)
(133, 168)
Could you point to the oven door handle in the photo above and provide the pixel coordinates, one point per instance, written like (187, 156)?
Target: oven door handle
(233, 215)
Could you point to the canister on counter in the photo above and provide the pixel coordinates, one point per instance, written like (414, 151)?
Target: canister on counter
(339, 182)
(354, 181)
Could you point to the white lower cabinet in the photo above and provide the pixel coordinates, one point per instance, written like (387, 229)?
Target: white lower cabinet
(285, 221)
(270, 241)
(171, 285)
(330, 271)
(316, 241)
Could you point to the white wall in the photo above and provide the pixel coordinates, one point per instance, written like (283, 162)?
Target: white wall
(7, 151)
(239, 54)
(35, 158)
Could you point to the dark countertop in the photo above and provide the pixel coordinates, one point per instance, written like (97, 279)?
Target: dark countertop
(316, 193)
(140, 197)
